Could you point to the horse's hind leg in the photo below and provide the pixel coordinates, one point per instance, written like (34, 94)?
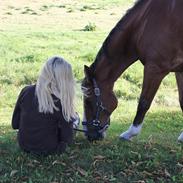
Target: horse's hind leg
(179, 78)
(151, 83)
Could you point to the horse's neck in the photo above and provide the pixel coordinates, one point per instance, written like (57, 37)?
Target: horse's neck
(119, 49)
(116, 55)
(110, 70)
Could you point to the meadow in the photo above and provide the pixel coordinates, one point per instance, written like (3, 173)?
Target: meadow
(32, 31)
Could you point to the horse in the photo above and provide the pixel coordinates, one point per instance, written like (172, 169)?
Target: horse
(150, 32)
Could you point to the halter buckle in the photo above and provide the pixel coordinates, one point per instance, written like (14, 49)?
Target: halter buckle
(97, 92)
(96, 123)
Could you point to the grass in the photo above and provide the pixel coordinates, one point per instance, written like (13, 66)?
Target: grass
(90, 27)
(154, 156)
(146, 158)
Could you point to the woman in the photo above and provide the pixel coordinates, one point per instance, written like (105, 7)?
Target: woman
(44, 113)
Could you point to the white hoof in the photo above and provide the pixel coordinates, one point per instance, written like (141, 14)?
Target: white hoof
(180, 138)
(132, 131)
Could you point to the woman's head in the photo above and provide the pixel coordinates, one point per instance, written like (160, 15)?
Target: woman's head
(56, 78)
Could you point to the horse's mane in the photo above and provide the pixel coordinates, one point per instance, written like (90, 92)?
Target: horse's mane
(124, 22)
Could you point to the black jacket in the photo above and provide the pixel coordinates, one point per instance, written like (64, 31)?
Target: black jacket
(39, 132)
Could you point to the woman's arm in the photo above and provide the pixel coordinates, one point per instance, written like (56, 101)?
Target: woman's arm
(16, 116)
(66, 129)
(16, 113)
(66, 132)
(65, 135)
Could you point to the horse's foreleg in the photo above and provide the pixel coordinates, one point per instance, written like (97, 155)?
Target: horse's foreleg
(151, 83)
(179, 79)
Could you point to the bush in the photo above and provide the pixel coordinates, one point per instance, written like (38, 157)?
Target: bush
(90, 27)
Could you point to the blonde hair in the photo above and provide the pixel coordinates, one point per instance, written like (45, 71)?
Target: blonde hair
(56, 78)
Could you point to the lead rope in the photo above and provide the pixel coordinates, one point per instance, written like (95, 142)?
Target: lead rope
(80, 130)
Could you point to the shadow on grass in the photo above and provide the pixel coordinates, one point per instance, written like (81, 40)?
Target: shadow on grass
(153, 156)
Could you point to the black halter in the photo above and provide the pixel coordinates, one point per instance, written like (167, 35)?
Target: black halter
(95, 123)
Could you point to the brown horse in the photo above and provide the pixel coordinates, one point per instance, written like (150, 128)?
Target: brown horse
(152, 32)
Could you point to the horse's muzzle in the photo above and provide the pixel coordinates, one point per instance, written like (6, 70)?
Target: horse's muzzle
(95, 136)
(93, 130)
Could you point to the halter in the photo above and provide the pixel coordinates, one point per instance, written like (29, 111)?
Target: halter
(95, 123)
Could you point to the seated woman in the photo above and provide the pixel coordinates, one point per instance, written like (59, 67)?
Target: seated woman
(44, 113)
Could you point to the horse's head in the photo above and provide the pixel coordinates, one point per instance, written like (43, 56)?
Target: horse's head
(99, 103)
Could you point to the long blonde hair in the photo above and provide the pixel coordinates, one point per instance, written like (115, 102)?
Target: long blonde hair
(56, 78)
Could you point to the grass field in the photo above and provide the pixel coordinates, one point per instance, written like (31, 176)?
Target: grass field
(33, 30)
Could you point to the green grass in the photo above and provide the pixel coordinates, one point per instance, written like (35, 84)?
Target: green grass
(154, 156)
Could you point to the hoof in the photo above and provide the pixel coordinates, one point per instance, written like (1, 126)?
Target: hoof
(131, 132)
(126, 136)
(180, 138)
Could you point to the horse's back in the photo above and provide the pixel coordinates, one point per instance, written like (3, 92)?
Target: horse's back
(160, 33)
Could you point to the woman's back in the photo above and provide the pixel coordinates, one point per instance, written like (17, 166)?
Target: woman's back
(39, 115)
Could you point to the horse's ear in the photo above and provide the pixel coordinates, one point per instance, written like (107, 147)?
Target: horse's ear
(87, 72)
